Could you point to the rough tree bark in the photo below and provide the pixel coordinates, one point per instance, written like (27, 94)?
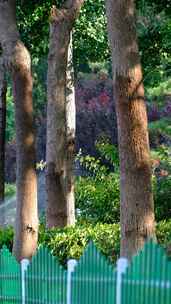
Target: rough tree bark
(61, 117)
(18, 62)
(3, 90)
(137, 211)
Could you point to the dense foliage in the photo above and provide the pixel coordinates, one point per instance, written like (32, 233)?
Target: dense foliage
(91, 54)
(90, 34)
(98, 195)
(10, 129)
(10, 190)
(162, 182)
(70, 242)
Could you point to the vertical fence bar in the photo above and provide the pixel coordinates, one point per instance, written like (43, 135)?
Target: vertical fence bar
(71, 266)
(122, 265)
(24, 265)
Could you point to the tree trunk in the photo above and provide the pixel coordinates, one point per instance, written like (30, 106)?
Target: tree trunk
(3, 90)
(18, 61)
(61, 118)
(137, 211)
(70, 135)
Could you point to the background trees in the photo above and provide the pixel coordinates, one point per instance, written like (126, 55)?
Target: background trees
(95, 109)
(90, 35)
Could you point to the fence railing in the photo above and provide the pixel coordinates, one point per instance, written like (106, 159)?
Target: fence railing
(91, 280)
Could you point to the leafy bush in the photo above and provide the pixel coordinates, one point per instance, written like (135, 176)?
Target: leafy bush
(70, 242)
(154, 41)
(160, 91)
(162, 126)
(97, 196)
(109, 152)
(162, 182)
(10, 190)
(6, 237)
(163, 155)
(10, 125)
(160, 132)
(163, 234)
(162, 198)
(98, 200)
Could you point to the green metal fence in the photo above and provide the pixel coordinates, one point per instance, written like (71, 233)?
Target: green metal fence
(146, 280)
(10, 278)
(45, 280)
(94, 279)
(148, 277)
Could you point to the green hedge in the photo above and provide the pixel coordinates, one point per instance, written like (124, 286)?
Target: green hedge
(70, 242)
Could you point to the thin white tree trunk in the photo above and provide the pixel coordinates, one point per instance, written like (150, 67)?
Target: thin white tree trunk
(61, 118)
(70, 133)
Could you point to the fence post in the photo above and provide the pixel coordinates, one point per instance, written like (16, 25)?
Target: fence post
(24, 265)
(71, 266)
(122, 265)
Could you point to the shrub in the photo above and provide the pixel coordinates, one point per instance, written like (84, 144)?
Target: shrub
(10, 190)
(162, 126)
(10, 125)
(6, 237)
(163, 234)
(97, 196)
(160, 132)
(162, 182)
(98, 200)
(162, 197)
(159, 92)
(70, 242)
(95, 114)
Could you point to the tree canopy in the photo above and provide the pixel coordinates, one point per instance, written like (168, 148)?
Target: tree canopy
(90, 33)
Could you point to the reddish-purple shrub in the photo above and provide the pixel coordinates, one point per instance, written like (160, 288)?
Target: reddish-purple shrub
(95, 117)
(95, 114)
